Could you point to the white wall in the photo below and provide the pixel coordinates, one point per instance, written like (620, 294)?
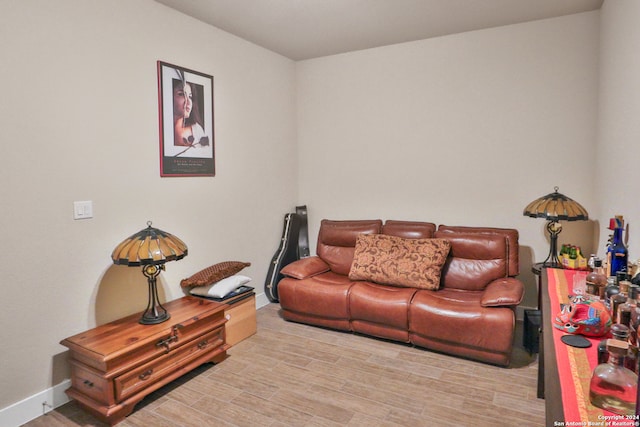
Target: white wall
(618, 154)
(462, 130)
(79, 120)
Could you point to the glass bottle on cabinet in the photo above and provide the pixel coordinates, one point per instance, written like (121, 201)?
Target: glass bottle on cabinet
(614, 387)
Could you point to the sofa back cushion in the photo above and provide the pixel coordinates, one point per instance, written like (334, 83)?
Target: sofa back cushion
(475, 260)
(392, 260)
(409, 229)
(337, 241)
(509, 233)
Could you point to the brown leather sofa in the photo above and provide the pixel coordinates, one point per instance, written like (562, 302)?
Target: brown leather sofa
(471, 315)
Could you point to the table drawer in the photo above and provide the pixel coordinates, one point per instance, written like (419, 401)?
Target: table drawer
(133, 381)
(174, 337)
(91, 384)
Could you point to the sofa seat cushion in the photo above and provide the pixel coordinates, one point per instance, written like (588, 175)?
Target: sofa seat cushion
(392, 260)
(322, 299)
(454, 321)
(381, 311)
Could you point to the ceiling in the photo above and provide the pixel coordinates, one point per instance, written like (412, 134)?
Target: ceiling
(304, 29)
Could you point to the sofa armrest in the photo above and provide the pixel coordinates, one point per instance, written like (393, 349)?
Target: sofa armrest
(503, 292)
(305, 267)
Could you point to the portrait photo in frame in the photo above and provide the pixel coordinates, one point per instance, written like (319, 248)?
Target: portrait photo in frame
(186, 122)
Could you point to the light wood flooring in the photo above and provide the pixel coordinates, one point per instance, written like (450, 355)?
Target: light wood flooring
(290, 374)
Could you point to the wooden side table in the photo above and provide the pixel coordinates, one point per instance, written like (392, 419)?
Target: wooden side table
(537, 270)
(116, 365)
(240, 313)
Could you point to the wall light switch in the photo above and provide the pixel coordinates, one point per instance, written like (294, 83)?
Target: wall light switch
(83, 209)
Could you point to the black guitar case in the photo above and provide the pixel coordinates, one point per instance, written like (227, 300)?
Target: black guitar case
(294, 245)
(303, 236)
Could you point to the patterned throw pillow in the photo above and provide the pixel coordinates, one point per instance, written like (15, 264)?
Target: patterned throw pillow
(214, 273)
(390, 260)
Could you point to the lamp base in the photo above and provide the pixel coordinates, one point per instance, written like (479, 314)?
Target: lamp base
(152, 317)
(554, 228)
(155, 313)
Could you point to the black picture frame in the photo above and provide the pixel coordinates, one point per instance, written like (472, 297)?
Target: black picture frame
(185, 103)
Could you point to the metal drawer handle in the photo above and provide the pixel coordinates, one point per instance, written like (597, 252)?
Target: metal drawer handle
(166, 343)
(203, 344)
(172, 338)
(88, 383)
(146, 374)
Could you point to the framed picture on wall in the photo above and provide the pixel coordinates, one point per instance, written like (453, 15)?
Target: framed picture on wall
(186, 122)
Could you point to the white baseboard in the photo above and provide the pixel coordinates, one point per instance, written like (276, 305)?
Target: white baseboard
(262, 300)
(34, 406)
